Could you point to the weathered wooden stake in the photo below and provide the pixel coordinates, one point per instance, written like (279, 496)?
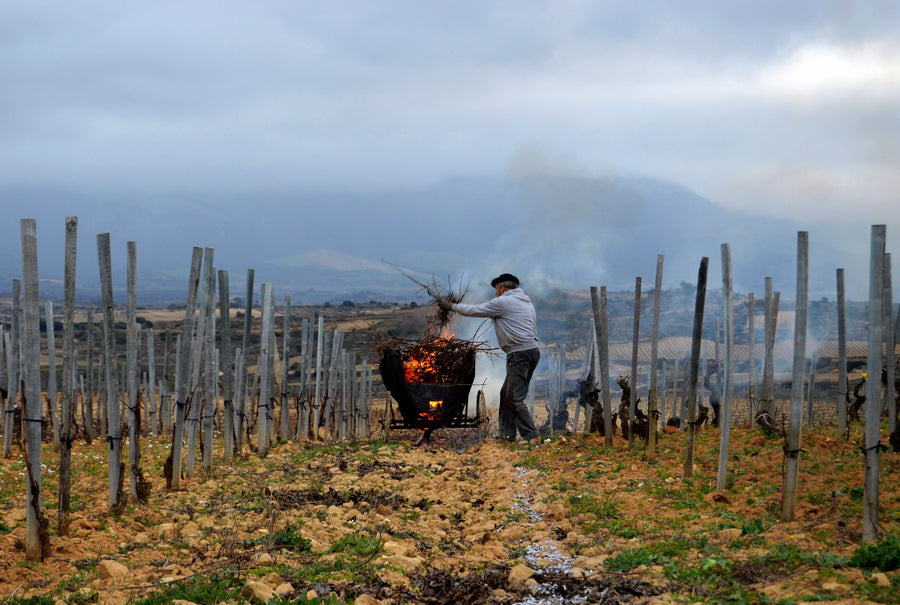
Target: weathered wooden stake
(52, 388)
(265, 392)
(890, 396)
(225, 347)
(653, 394)
(151, 384)
(132, 339)
(70, 368)
(286, 362)
(872, 443)
(751, 341)
(320, 353)
(89, 371)
(792, 447)
(842, 397)
(183, 367)
(208, 415)
(12, 372)
(31, 370)
(242, 393)
(635, 344)
(728, 382)
(114, 423)
(601, 325)
(696, 340)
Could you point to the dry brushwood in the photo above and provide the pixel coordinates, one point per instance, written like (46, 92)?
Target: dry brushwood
(441, 359)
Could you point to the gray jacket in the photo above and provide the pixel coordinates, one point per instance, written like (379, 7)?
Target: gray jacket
(513, 316)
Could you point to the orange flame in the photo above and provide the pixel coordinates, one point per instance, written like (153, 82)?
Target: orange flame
(424, 367)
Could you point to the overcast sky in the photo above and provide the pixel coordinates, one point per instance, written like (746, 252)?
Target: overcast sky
(788, 108)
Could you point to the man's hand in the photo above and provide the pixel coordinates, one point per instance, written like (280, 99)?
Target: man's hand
(444, 304)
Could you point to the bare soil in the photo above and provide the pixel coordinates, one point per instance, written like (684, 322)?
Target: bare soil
(460, 521)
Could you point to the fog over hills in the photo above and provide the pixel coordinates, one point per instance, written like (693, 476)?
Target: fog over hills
(552, 230)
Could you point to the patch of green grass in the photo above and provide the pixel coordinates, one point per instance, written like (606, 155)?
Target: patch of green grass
(41, 600)
(531, 461)
(880, 594)
(883, 555)
(753, 527)
(627, 560)
(357, 545)
(198, 589)
(586, 504)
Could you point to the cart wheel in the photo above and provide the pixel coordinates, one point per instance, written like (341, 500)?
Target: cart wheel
(481, 417)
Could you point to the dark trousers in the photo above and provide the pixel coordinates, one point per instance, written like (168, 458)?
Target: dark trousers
(514, 414)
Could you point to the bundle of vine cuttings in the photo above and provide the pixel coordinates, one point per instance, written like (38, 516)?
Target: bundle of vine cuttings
(435, 359)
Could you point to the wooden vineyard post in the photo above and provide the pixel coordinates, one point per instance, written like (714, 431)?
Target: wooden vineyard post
(89, 371)
(332, 383)
(303, 411)
(265, 391)
(165, 407)
(842, 356)
(635, 343)
(696, 340)
(31, 371)
(242, 392)
(811, 391)
(225, 348)
(151, 385)
(52, 390)
(196, 363)
(653, 394)
(727, 386)
(662, 400)
(872, 443)
(238, 388)
(600, 325)
(771, 319)
(792, 447)
(133, 403)
(320, 350)
(751, 386)
(68, 382)
(270, 368)
(114, 424)
(12, 367)
(286, 362)
(890, 396)
(208, 410)
(362, 431)
(182, 371)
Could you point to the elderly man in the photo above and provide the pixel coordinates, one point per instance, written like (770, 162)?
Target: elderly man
(514, 322)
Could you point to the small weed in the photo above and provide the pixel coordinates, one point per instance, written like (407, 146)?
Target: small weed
(753, 527)
(883, 555)
(212, 589)
(42, 600)
(627, 560)
(531, 461)
(588, 505)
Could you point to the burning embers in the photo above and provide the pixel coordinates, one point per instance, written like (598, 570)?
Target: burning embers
(433, 360)
(430, 378)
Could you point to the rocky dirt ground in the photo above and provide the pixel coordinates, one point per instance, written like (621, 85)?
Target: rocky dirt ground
(569, 520)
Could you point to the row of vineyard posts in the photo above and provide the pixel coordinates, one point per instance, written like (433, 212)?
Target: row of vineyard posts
(332, 399)
(882, 332)
(213, 385)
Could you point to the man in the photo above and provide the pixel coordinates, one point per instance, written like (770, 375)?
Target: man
(515, 324)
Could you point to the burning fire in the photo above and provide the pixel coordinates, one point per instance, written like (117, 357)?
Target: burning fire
(435, 404)
(423, 364)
